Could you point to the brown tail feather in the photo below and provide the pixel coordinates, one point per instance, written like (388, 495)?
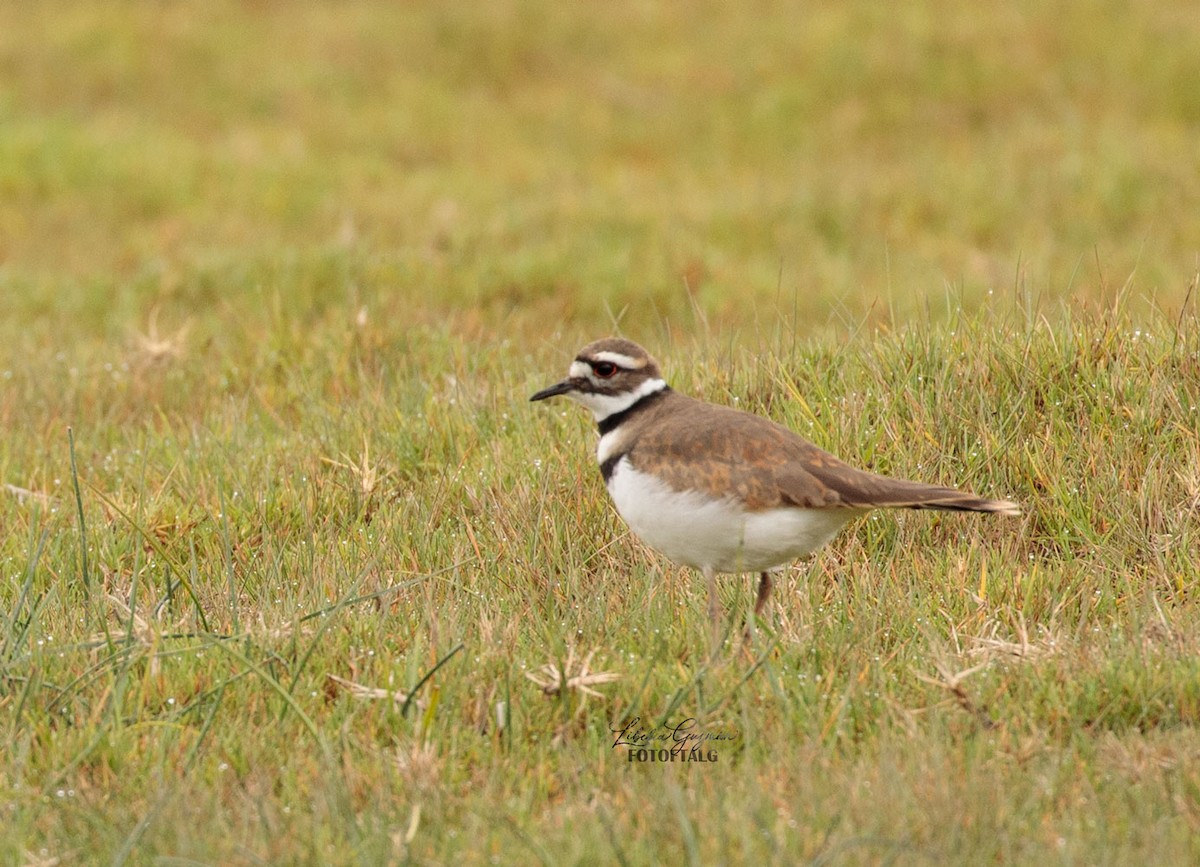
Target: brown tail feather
(881, 492)
(964, 503)
(825, 478)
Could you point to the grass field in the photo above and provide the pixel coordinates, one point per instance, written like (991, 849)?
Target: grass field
(286, 554)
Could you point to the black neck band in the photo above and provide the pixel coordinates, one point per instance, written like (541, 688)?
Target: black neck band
(613, 421)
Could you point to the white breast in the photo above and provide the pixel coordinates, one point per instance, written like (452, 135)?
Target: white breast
(695, 530)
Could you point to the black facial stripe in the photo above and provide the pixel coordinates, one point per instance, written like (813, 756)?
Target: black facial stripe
(613, 421)
(586, 385)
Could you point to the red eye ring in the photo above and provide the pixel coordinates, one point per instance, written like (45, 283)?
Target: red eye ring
(604, 369)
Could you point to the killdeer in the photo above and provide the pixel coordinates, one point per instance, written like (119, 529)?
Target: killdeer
(719, 489)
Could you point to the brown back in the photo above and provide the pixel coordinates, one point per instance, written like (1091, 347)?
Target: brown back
(692, 445)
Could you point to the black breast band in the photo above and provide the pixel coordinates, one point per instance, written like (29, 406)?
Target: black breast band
(612, 422)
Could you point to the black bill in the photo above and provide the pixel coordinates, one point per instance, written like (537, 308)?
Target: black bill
(558, 388)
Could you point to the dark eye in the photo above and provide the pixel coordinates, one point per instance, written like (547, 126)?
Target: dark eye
(604, 369)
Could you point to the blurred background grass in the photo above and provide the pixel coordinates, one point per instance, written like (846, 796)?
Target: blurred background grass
(291, 270)
(526, 158)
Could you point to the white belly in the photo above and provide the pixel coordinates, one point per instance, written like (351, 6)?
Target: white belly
(696, 531)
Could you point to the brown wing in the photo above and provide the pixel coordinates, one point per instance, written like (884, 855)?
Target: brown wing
(721, 451)
(859, 489)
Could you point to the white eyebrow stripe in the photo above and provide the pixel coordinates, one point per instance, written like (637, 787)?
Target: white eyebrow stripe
(621, 360)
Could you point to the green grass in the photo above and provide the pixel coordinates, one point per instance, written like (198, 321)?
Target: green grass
(286, 276)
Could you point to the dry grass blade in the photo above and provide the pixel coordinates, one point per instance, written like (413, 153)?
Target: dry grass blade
(143, 630)
(952, 681)
(157, 349)
(554, 681)
(420, 766)
(23, 494)
(285, 631)
(949, 679)
(987, 646)
(368, 693)
(1189, 477)
(368, 475)
(43, 860)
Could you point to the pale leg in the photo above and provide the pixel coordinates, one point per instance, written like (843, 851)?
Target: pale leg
(714, 605)
(764, 591)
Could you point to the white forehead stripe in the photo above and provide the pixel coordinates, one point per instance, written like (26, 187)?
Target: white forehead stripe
(578, 370)
(621, 360)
